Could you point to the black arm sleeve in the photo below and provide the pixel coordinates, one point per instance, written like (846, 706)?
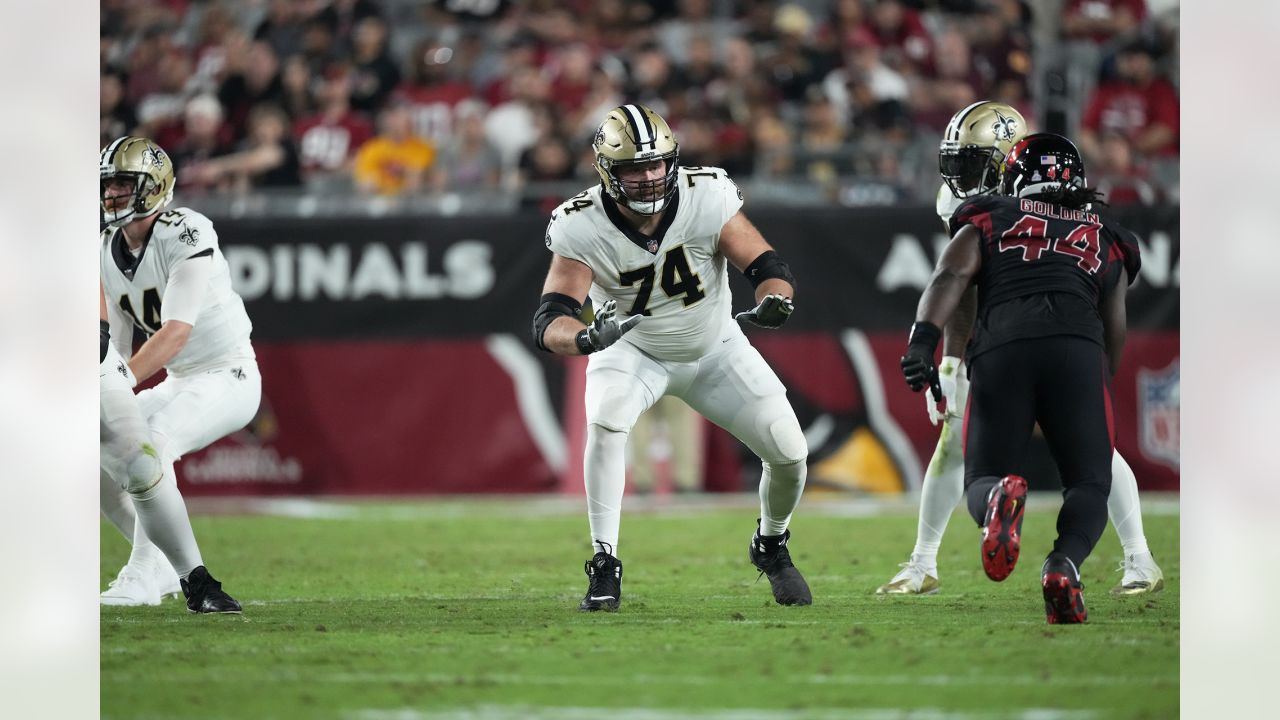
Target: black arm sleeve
(106, 338)
(553, 306)
(768, 265)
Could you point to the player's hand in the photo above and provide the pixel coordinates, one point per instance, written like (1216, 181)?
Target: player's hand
(954, 388)
(771, 313)
(919, 371)
(606, 329)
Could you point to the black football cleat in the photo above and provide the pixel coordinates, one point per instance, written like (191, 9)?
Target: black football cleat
(1002, 530)
(204, 594)
(1063, 593)
(604, 589)
(770, 556)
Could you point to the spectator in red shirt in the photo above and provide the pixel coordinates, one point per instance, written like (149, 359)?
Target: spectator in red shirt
(1117, 177)
(1139, 105)
(1101, 20)
(328, 140)
(902, 36)
(432, 91)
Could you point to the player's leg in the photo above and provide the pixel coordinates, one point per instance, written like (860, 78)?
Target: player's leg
(116, 505)
(128, 459)
(1074, 411)
(200, 409)
(621, 384)
(1141, 573)
(942, 489)
(736, 389)
(998, 423)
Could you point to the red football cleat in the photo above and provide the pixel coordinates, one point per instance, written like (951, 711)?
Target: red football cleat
(1002, 531)
(1063, 598)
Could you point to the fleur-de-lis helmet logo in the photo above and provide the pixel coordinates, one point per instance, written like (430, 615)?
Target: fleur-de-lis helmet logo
(1004, 128)
(154, 155)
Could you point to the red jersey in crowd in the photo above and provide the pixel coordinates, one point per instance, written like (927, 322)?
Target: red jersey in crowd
(1130, 109)
(432, 108)
(325, 145)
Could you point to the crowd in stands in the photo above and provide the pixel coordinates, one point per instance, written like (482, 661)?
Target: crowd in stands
(422, 96)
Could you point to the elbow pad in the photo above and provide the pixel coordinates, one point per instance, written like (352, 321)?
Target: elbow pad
(553, 305)
(769, 265)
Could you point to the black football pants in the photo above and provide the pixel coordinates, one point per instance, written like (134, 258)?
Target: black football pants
(1062, 383)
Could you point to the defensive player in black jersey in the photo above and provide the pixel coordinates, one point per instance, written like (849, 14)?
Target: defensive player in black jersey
(1051, 277)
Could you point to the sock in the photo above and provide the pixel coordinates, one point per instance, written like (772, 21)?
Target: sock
(605, 475)
(943, 488)
(1081, 521)
(780, 488)
(977, 495)
(162, 517)
(116, 506)
(1125, 509)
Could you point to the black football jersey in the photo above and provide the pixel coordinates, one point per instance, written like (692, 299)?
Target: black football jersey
(1045, 268)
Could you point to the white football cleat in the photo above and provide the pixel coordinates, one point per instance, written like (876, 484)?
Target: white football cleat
(166, 579)
(912, 579)
(131, 588)
(1141, 576)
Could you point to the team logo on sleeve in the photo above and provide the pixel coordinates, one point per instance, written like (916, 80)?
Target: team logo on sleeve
(190, 236)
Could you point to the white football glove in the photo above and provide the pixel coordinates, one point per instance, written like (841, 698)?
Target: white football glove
(605, 329)
(955, 390)
(771, 313)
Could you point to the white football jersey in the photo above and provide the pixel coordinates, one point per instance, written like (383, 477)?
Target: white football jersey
(136, 287)
(947, 204)
(677, 278)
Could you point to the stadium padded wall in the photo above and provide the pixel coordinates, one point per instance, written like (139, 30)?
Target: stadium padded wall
(396, 357)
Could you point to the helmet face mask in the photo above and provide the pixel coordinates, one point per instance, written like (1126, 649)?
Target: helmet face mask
(975, 145)
(630, 141)
(137, 163)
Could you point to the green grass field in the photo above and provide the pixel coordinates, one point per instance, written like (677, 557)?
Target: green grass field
(467, 609)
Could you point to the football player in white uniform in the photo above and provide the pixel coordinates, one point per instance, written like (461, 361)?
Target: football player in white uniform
(650, 244)
(163, 273)
(971, 159)
(130, 462)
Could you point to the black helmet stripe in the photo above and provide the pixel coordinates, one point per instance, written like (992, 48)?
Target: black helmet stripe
(953, 129)
(641, 127)
(114, 148)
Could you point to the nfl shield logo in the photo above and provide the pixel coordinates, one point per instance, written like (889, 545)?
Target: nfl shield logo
(1159, 407)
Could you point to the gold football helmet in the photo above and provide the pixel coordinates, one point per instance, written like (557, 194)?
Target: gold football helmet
(975, 144)
(636, 135)
(146, 167)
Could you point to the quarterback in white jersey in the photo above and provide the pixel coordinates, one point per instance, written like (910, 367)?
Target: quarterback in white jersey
(651, 244)
(971, 159)
(163, 273)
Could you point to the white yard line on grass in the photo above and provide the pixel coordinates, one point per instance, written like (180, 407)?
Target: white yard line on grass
(419, 508)
(524, 712)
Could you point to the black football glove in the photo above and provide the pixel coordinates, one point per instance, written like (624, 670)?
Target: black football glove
(605, 329)
(917, 364)
(771, 313)
(105, 332)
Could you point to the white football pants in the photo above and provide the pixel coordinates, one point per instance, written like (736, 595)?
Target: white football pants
(732, 386)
